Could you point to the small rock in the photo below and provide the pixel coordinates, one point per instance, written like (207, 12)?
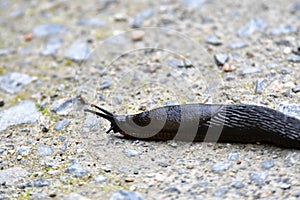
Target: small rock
(105, 84)
(228, 67)
(258, 88)
(23, 150)
(296, 89)
(220, 192)
(61, 124)
(137, 35)
(2, 150)
(221, 59)
(250, 70)
(286, 71)
(12, 176)
(163, 164)
(295, 59)
(79, 51)
(193, 3)
(289, 109)
(238, 45)
(13, 83)
(38, 183)
(296, 7)
(100, 179)
(140, 18)
(172, 190)
(15, 115)
(126, 195)
(285, 186)
(221, 166)
(283, 30)
(76, 169)
(252, 26)
(238, 185)
(180, 63)
(131, 152)
(258, 177)
(52, 46)
(73, 196)
(229, 77)
(93, 22)
(65, 106)
(233, 156)
(267, 164)
(44, 150)
(49, 29)
(213, 40)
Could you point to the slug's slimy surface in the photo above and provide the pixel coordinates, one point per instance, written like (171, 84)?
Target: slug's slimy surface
(207, 122)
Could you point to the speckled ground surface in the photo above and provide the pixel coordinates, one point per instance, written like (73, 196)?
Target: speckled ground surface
(129, 56)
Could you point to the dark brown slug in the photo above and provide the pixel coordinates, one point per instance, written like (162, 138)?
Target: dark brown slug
(207, 122)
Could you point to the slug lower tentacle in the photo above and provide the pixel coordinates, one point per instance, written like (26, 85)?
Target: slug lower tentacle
(207, 122)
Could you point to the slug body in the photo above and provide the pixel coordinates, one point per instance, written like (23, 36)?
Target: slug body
(208, 122)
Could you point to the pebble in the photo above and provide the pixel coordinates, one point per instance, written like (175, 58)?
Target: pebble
(221, 59)
(131, 152)
(73, 196)
(296, 89)
(229, 77)
(14, 82)
(125, 195)
(258, 87)
(61, 124)
(295, 59)
(140, 18)
(193, 3)
(93, 22)
(180, 63)
(52, 45)
(76, 169)
(283, 30)
(172, 190)
(105, 84)
(238, 185)
(65, 106)
(79, 51)
(213, 40)
(100, 179)
(296, 7)
(250, 70)
(290, 109)
(221, 166)
(220, 192)
(2, 150)
(238, 45)
(258, 177)
(233, 156)
(38, 183)
(267, 164)
(15, 115)
(49, 29)
(228, 67)
(252, 26)
(44, 150)
(23, 150)
(12, 176)
(137, 35)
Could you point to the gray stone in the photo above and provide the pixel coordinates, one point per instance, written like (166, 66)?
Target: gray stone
(65, 106)
(2, 150)
(38, 183)
(238, 185)
(13, 83)
(105, 84)
(12, 176)
(49, 29)
(221, 59)
(76, 169)
(258, 87)
(267, 164)
(44, 150)
(221, 166)
(250, 70)
(15, 115)
(290, 109)
(283, 30)
(238, 45)
(132, 152)
(296, 7)
(52, 46)
(93, 22)
(23, 150)
(172, 190)
(296, 89)
(233, 156)
(214, 40)
(258, 177)
(140, 18)
(126, 195)
(252, 26)
(79, 51)
(220, 192)
(61, 124)
(100, 179)
(295, 58)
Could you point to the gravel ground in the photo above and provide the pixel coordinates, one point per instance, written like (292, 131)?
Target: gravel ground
(59, 56)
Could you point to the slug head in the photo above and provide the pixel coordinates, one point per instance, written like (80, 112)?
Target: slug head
(106, 115)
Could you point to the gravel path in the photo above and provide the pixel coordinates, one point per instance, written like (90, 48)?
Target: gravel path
(59, 56)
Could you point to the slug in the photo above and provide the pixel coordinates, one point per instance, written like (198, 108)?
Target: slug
(209, 123)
